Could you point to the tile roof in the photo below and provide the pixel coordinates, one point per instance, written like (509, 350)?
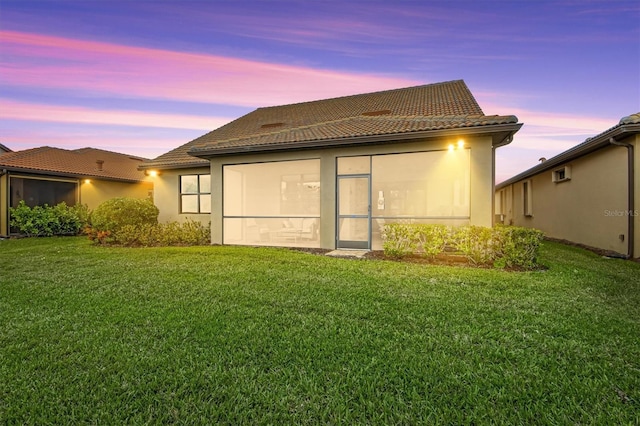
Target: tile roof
(629, 125)
(439, 106)
(80, 163)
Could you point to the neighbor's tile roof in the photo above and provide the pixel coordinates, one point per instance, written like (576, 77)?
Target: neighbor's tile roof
(77, 163)
(448, 105)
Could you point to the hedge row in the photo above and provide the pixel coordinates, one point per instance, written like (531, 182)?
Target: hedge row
(129, 222)
(501, 246)
(47, 221)
(189, 233)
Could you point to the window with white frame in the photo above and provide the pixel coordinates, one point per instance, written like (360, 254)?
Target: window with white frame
(195, 194)
(562, 174)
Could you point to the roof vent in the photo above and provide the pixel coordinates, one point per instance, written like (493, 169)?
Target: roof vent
(99, 164)
(269, 125)
(542, 159)
(374, 113)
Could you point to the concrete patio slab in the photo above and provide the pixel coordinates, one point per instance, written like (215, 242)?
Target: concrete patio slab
(350, 253)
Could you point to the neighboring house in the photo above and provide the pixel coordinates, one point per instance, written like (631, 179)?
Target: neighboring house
(589, 194)
(51, 175)
(330, 173)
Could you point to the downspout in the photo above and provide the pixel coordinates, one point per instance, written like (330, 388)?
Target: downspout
(493, 187)
(631, 195)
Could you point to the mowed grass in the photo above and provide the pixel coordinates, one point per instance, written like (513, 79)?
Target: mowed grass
(236, 335)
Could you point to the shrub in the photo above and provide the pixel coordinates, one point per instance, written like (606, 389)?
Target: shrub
(116, 213)
(518, 247)
(188, 233)
(46, 221)
(399, 240)
(432, 239)
(476, 243)
(502, 246)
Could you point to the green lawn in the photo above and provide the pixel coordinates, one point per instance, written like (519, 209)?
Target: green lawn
(270, 336)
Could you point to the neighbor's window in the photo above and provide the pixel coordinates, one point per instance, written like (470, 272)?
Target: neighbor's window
(503, 202)
(561, 175)
(195, 194)
(527, 198)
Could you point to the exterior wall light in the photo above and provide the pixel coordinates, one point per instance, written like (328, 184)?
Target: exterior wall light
(458, 145)
(152, 173)
(87, 181)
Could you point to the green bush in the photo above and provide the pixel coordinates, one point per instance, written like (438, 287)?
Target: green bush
(476, 243)
(518, 247)
(399, 240)
(116, 213)
(432, 239)
(188, 233)
(502, 246)
(46, 221)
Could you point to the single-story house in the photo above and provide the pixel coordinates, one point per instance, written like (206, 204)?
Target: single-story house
(50, 176)
(589, 194)
(329, 173)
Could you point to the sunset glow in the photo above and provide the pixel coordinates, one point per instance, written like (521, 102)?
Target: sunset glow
(75, 74)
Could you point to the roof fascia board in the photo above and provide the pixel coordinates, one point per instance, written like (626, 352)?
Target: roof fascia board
(170, 166)
(346, 142)
(67, 175)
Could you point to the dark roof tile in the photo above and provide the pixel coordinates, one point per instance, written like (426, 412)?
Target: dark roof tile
(80, 162)
(448, 105)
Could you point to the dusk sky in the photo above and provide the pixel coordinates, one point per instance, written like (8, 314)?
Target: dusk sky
(143, 77)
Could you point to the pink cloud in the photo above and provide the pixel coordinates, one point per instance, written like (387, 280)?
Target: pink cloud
(68, 114)
(543, 135)
(91, 67)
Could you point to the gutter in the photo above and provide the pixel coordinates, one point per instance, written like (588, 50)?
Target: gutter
(174, 166)
(631, 194)
(55, 174)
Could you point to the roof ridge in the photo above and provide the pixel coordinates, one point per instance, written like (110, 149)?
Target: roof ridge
(55, 160)
(357, 95)
(420, 108)
(120, 154)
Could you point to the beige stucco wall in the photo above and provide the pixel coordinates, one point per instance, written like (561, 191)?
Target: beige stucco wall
(94, 192)
(166, 196)
(481, 185)
(591, 208)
